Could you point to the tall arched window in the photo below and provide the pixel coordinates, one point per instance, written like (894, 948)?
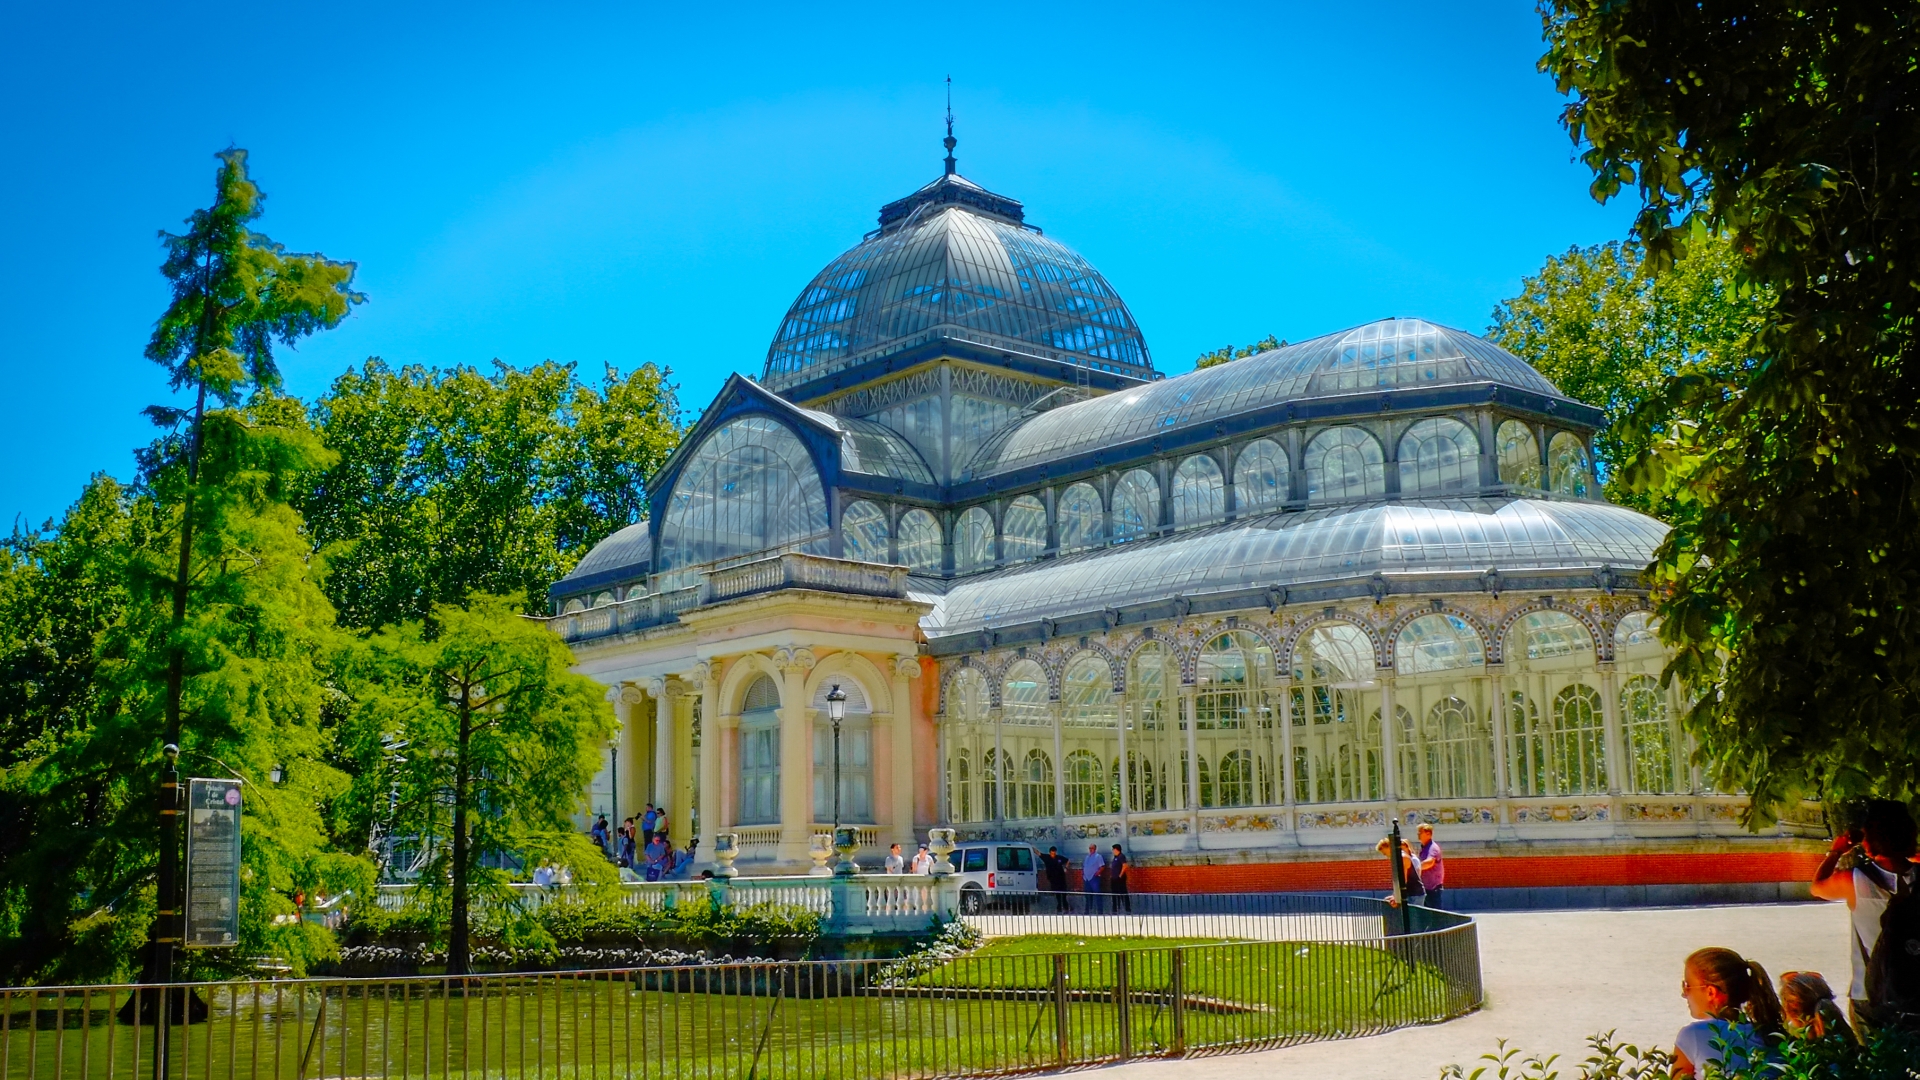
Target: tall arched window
(960, 786)
(1080, 521)
(1260, 477)
(1208, 797)
(1437, 643)
(1519, 454)
(1567, 466)
(1023, 531)
(1449, 755)
(1086, 694)
(996, 778)
(1234, 782)
(1086, 784)
(750, 487)
(1143, 794)
(919, 543)
(1527, 771)
(969, 738)
(1234, 707)
(1036, 784)
(1199, 492)
(759, 800)
(863, 532)
(1136, 505)
(1652, 741)
(1023, 700)
(1576, 756)
(973, 541)
(1336, 748)
(856, 755)
(1439, 455)
(1344, 463)
(1155, 737)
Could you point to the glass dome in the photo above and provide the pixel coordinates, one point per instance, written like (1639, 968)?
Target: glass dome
(1390, 354)
(954, 261)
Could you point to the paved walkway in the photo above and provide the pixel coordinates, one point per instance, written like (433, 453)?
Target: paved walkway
(1552, 979)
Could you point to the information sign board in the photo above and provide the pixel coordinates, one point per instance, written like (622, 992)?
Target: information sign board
(213, 864)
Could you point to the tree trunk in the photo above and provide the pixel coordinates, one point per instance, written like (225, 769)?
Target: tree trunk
(457, 944)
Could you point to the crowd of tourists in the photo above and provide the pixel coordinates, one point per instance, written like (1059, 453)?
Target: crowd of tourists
(644, 847)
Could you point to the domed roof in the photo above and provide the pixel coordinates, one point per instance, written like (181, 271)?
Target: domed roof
(1419, 538)
(955, 261)
(1391, 354)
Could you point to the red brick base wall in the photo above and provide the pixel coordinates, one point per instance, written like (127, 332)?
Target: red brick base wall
(1519, 871)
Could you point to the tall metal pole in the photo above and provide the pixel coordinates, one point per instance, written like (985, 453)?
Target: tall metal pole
(167, 928)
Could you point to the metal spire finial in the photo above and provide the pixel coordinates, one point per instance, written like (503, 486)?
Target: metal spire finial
(950, 141)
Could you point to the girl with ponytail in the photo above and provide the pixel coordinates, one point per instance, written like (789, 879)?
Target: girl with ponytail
(1734, 1009)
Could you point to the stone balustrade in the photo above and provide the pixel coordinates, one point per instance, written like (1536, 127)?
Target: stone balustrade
(790, 570)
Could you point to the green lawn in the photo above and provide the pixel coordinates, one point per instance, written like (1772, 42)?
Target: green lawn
(998, 1009)
(1028, 944)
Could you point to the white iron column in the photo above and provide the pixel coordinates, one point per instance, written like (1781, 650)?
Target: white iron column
(1389, 739)
(904, 768)
(662, 692)
(1283, 687)
(1123, 718)
(1187, 711)
(1058, 710)
(712, 738)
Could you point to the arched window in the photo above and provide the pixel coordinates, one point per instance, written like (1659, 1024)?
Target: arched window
(1023, 700)
(1336, 748)
(995, 801)
(1635, 628)
(1519, 454)
(1545, 635)
(1526, 747)
(750, 487)
(960, 787)
(919, 543)
(973, 541)
(1155, 733)
(1344, 463)
(1142, 791)
(1036, 785)
(1136, 505)
(1086, 784)
(1439, 455)
(759, 801)
(1449, 755)
(1023, 532)
(1437, 643)
(1080, 523)
(1086, 694)
(1199, 492)
(1260, 477)
(863, 532)
(1576, 759)
(1567, 466)
(1234, 782)
(1652, 741)
(856, 754)
(1232, 671)
(1207, 794)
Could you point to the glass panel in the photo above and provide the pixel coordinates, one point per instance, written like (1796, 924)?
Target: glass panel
(973, 541)
(1086, 695)
(1437, 643)
(1337, 743)
(920, 541)
(1080, 518)
(1199, 492)
(1519, 454)
(750, 487)
(1574, 753)
(856, 759)
(1260, 477)
(1023, 700)
(1544, 635)
(1653, 740)
(1439, 455)
(1023, 535)
(863, 532)
(1136, 505)
(759, 799)
(1151, 752)
(1036, 784)
(1567, 465)
(1086, 784)
(1636, 628)
(1448, 754)
(1344, 463)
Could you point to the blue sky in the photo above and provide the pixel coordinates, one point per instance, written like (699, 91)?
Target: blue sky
(619, 184)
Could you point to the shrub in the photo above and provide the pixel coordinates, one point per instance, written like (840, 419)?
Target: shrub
(1891, 1055)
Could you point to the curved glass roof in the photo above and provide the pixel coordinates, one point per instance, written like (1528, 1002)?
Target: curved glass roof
(1287, 549)
(630, 548)
(1389, 354)
(953, 261)
(875, 449)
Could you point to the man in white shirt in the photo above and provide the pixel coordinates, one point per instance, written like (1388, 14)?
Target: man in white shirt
(923, 861)
(895, 864)
(1091, 868)
(1885, 837)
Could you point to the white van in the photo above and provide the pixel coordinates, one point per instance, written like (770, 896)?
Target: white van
(985, 868)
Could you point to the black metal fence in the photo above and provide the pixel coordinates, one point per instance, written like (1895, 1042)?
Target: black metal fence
(1298, 968)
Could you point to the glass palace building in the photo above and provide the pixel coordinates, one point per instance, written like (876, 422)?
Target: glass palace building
(1238, 620)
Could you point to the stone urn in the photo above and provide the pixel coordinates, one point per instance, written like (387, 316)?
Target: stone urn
(726, 848)
(846, 841)
(940, 842)
(820, 850)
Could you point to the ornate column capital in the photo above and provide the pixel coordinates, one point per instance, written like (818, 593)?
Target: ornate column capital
(657, 686)
(800, 660)
(906, 666)
(700, 676)
(629, 694)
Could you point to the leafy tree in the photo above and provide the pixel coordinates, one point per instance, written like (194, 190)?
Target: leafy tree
(474, 732)
(451, 482)
(1607, 330)
(1226, 353)
(1788, 584)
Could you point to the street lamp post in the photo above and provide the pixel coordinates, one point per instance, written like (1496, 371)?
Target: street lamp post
(836, 712)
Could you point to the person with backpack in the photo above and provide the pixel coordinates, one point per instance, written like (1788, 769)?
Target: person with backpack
(1880, 890)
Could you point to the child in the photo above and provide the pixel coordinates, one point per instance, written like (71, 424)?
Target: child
(1807, 1006)
(1734, 1010)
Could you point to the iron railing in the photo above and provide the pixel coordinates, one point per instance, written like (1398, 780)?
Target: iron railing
(1309, 968)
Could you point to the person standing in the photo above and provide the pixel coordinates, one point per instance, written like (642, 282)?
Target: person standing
(1090, 870)
(1433, 867)
(896, 863)
(1117, 868)
(1885, 840)
(1055, 865)
(646, 824)
(923, 861)
(660, 826)
(626, 843)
